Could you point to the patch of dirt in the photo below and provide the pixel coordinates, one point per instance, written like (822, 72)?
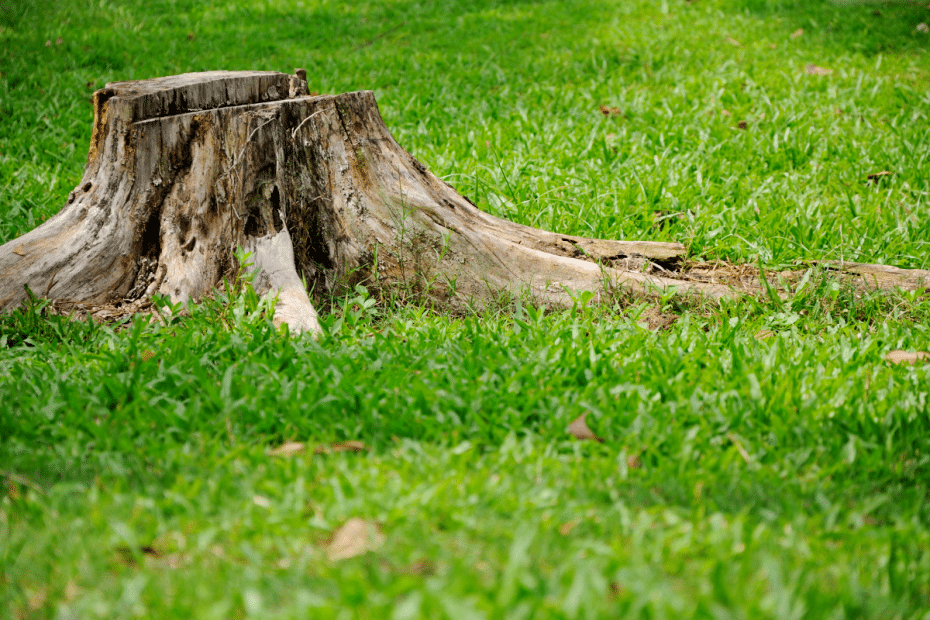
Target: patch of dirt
(740, 277)
(654, 319)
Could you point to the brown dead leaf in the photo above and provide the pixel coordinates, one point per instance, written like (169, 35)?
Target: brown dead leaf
(147, 355)
(907, 357)
(633, 461)
(344, 446)
(742, 125)
(19, 250)
(127, 556)
(289, 448)
(797, 33)
(150, 551)
(726, 113)
(733, 42)
(764, 334)
(606, 111)
(190, 36)
(812, 69)
(923, 28)
(59, 41)
(579, 429)
(355, 537)
(875, 177)
(420, 568)
(566, 528)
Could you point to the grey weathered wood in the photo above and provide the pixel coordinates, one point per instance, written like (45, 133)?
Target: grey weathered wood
(182, 170)
(272, 259)
(883, 276)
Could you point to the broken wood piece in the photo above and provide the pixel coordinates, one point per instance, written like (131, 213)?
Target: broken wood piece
(882, 277)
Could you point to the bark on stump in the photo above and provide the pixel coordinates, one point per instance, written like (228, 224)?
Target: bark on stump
(183, 170)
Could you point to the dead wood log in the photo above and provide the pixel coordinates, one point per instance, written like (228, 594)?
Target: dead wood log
(183, 170)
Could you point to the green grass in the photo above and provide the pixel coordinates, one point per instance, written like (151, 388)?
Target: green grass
(739, 477)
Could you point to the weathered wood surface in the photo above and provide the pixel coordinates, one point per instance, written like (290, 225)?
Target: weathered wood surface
(882, 276)
(182, 170)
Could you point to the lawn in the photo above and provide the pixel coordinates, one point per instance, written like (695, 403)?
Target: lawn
(760, 457)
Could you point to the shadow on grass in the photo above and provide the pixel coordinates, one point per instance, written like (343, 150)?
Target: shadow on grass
(869, 27)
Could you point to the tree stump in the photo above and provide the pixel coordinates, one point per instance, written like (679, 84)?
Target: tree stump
(183, 170)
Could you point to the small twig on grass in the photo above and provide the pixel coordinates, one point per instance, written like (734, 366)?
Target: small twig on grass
(739, 447)
(380, 36)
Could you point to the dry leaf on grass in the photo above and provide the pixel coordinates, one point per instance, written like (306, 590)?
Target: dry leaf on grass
(291, 448)
(764, 334)
(566, 528)
(734, 42)
(813, 69)
(127, 557)
(344, 446)
(579, 429)
(923, 28)
(907, 357)
(797, 33)
(355, 537)
(606, 111)
(420, 568)
(875, 177)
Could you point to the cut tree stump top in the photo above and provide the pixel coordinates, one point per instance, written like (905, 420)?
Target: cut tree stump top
(193, 92)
